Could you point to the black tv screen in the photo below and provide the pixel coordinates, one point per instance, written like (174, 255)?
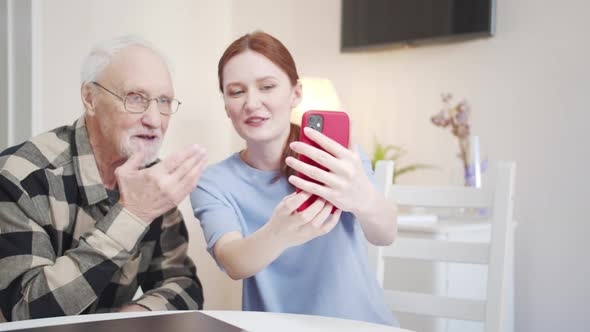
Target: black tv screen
(370, 23)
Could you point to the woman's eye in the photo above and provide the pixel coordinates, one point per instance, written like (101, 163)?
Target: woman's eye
(268, 87)
(236, 92)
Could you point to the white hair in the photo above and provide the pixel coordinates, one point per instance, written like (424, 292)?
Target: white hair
(102, 54)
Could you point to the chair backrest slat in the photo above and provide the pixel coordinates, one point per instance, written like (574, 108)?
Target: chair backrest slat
(441, 196)
(439, 250)
(432, 305)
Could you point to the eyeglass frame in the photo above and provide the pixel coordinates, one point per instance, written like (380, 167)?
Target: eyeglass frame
(149, 101)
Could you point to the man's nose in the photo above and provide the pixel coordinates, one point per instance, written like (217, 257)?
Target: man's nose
(152, 117)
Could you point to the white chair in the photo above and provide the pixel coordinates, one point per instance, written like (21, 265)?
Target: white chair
(497, 197)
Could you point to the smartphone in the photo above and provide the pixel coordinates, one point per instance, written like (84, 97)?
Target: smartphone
(335, 125)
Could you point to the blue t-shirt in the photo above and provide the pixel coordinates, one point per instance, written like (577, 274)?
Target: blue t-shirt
(327, 276)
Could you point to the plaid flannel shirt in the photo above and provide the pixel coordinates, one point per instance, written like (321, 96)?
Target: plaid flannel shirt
(67, 248)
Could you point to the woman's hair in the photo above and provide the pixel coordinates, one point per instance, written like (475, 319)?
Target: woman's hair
(271, 48)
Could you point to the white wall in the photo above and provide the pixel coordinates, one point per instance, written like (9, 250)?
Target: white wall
(193, 34)
(527, 87)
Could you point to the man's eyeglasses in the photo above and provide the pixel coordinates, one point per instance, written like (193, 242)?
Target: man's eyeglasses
(136, 103)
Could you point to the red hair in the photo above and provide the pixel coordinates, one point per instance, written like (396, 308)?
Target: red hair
(271, 48)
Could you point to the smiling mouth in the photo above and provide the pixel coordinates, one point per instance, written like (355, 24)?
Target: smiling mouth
(147, 138)
(255, 121)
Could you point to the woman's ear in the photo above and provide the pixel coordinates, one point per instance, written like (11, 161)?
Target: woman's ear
(297, 95)
(87, 96)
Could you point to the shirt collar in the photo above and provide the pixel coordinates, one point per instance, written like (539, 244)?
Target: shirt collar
(87, 175)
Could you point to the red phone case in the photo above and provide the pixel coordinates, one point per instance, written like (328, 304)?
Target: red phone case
(336, 125)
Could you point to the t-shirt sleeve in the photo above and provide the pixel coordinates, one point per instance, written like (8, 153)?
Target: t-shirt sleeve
(216, 216)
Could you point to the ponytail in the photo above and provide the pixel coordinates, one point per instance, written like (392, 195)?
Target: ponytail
(285, 170)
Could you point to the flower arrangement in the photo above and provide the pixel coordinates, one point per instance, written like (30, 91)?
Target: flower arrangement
(457, 119)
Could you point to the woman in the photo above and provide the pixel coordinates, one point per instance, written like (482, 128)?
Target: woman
(309, 262)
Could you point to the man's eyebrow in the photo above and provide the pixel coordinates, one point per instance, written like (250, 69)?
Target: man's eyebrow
(165, 95)
(145, 93)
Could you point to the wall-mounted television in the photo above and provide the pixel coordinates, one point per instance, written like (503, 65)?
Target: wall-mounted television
(378, 23)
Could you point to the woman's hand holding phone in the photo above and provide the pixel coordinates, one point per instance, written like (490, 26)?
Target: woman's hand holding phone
(345, 183)
(243, 257)
(293, 228)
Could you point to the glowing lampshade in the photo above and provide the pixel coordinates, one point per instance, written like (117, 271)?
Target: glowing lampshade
(318, 94)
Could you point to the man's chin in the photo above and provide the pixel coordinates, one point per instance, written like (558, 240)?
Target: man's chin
(149, 160)
(150, 154)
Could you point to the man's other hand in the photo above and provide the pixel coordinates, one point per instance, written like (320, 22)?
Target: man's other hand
(150, 192)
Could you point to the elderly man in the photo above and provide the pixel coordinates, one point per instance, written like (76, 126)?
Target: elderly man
(87, 215)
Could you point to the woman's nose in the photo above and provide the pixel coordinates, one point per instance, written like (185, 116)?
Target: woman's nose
(253, 101)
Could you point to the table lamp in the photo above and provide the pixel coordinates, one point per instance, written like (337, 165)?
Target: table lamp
(318, 94)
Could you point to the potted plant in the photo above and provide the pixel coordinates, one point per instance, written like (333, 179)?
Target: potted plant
(395, 153)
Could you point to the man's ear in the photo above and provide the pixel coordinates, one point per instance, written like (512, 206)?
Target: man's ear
(87, 95)
(297, 95)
